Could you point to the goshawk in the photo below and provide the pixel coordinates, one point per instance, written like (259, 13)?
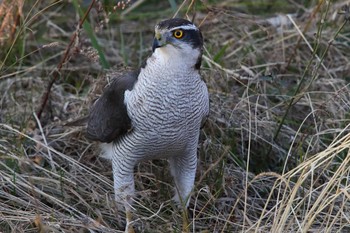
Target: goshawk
(155, 112)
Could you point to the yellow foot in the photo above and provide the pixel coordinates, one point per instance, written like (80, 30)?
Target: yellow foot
(129, 228)
(185, 224)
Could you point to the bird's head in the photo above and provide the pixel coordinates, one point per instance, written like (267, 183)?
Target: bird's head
(178, 40)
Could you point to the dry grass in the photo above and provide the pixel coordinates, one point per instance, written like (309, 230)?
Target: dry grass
(274, 155)
(10, 13)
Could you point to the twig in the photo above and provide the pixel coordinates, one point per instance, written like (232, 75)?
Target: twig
(60, 65)
(298, 43)
(308, 45)
(46, 144)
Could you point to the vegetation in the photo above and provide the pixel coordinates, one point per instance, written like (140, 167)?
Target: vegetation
(274, 154)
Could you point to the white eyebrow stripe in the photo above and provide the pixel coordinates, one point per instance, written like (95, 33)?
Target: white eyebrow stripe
(186, 27)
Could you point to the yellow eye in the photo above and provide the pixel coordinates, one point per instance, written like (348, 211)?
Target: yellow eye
(178, 34)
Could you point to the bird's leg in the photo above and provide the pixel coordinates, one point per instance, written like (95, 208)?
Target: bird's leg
(124, 189)
(125, 196)
(128, 227)
(185, 222)
(183, 169)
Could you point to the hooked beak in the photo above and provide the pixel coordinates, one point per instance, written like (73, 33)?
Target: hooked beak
(157, 41)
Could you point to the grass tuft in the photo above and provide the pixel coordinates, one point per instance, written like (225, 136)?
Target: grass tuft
(273, 156)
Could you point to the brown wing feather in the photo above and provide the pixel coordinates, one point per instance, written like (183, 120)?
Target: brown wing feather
(108, 118)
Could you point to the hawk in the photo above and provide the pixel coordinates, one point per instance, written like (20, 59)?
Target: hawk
(155, 112)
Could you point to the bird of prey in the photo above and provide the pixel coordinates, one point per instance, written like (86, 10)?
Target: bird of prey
(155, 112)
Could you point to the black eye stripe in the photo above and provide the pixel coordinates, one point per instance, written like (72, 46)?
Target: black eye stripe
(194, 37)
(185, 32)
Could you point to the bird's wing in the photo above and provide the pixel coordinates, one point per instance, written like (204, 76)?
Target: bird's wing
(108, 118)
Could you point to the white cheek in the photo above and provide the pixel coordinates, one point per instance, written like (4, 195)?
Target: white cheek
(184, 56)
(162, 54)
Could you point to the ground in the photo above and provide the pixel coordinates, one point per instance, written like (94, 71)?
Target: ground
(273, 155)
